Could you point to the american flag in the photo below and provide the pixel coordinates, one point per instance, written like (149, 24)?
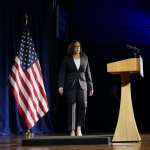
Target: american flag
(27, 82)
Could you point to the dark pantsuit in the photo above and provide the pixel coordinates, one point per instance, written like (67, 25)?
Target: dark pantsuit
(75, 83)
(76, 115)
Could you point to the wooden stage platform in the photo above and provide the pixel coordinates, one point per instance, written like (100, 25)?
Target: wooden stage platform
(67, 140)
(15, 143)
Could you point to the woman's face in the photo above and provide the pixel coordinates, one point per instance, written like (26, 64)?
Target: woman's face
(76, 47)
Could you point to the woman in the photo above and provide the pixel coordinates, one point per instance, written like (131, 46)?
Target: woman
(75, 83)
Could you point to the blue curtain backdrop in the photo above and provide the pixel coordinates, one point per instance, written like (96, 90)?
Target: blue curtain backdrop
(41, 26)
(104, 28)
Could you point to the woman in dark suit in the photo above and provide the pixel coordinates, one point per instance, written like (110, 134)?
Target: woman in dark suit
(75, 83)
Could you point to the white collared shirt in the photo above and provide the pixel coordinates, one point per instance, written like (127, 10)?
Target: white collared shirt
(77, 62)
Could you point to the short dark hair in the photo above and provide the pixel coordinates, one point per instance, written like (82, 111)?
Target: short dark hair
(70, 50)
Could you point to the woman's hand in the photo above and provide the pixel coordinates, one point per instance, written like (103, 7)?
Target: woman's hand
(91, 92)
(61, 91)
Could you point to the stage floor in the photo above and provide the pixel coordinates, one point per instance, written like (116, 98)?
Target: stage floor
(15, 142)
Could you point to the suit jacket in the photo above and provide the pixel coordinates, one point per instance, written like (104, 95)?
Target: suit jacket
(69, 74)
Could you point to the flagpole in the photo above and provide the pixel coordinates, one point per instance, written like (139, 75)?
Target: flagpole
(28, 133)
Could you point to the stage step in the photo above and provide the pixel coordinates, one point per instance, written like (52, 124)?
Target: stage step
(67, 140)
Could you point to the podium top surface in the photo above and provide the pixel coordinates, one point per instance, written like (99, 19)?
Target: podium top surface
(131, 65)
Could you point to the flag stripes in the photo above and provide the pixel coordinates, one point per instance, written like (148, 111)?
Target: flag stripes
(29, 92)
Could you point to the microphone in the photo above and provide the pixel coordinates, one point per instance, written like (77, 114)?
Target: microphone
(135, 49)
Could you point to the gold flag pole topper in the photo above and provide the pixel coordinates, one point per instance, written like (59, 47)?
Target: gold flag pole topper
(26, 17)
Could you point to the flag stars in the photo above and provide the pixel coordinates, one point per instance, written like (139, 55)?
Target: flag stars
(27, 52)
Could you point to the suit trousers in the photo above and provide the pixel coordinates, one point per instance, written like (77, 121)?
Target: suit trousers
(77, 104)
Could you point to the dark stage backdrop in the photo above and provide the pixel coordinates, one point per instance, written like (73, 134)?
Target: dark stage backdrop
(41, 21)
(104, 28)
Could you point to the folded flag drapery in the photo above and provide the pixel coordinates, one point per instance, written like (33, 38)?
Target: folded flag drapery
(27, 82)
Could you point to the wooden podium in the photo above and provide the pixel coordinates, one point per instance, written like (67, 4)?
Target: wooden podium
(126, 129)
